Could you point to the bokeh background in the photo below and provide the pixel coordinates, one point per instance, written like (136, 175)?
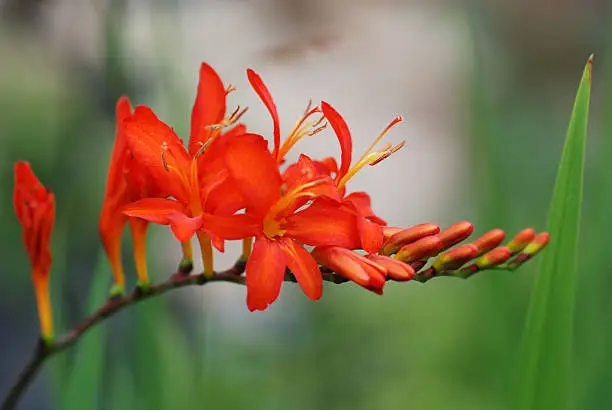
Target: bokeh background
(485, 87)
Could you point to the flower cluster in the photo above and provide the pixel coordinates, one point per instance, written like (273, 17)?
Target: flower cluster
(295, 220)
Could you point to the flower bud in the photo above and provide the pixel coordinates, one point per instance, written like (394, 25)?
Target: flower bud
(521, 240)
(396, 270)
(407, 236)
(489, 240)
(423, 248)
(455, 234)
(493, 258)
(455, 258)
(537, 244)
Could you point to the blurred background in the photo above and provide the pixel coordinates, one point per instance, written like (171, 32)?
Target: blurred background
(485, 88)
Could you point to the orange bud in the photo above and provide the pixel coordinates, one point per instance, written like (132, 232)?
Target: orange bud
(389, 231)
(455, 234)
(352, 266)
(423, 248)
(455, 258)
(407, 236)
(495, 257)
(489, 240)
(397, 270)
(521, 240)
(537, 244)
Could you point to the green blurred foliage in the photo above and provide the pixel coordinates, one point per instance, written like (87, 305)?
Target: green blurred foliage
(448, 344)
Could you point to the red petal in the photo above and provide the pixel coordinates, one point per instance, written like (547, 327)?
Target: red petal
(304, 268)
(363, 204)
(231, 227)
(263, 93)
(265, 271)
(165, 212)
(209, 107)
(255, 173)
(344, 137)
(148, 138)
(324, 224)
(371, 235)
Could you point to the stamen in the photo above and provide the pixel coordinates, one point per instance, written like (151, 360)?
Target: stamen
(394, 122)
(230, 89)
(301, 129)
(373, 158)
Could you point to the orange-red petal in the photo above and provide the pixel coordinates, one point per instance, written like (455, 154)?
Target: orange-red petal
(265, 271)
(344, 137)
(255, 174)
(304, 268)
(165, 212)
(209, 107)
(159, 150)
(324, 224)
(263, 93)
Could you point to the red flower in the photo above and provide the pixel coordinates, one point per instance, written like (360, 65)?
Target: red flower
(126, 182)
(283, 224)
(193, 178)
(35, 209)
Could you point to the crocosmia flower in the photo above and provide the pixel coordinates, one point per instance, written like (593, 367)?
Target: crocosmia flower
(35, 209)
(285, 223)
(126, 182)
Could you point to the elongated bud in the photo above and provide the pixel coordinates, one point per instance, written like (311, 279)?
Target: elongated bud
(455, 234)
(407, 236)
(396, 270)
(489, 240)
(537, 244)
(521, 240)
(389, 231)
(491, 259)
(423, 248)
(455, 258)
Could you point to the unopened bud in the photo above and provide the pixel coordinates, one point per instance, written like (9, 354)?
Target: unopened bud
(537, 244)
(407, 236)
(521, 240)
(455, 234)
(455, 258)
(423, 248)
(396, 270)
(389, 231)
(489, 240)
(496, 257)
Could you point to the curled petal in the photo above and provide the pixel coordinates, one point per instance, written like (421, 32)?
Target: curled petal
(304, 268)
(344, 137)
(265, 271)
(165, 212)
(263, 93)
(363, 204)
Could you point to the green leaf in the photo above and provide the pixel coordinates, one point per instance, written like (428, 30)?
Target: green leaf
(84, 383)
(547, 342)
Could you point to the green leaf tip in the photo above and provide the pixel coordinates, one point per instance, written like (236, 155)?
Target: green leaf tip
(544, 377)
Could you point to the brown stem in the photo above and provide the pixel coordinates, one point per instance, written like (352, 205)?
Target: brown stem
(118, 303)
